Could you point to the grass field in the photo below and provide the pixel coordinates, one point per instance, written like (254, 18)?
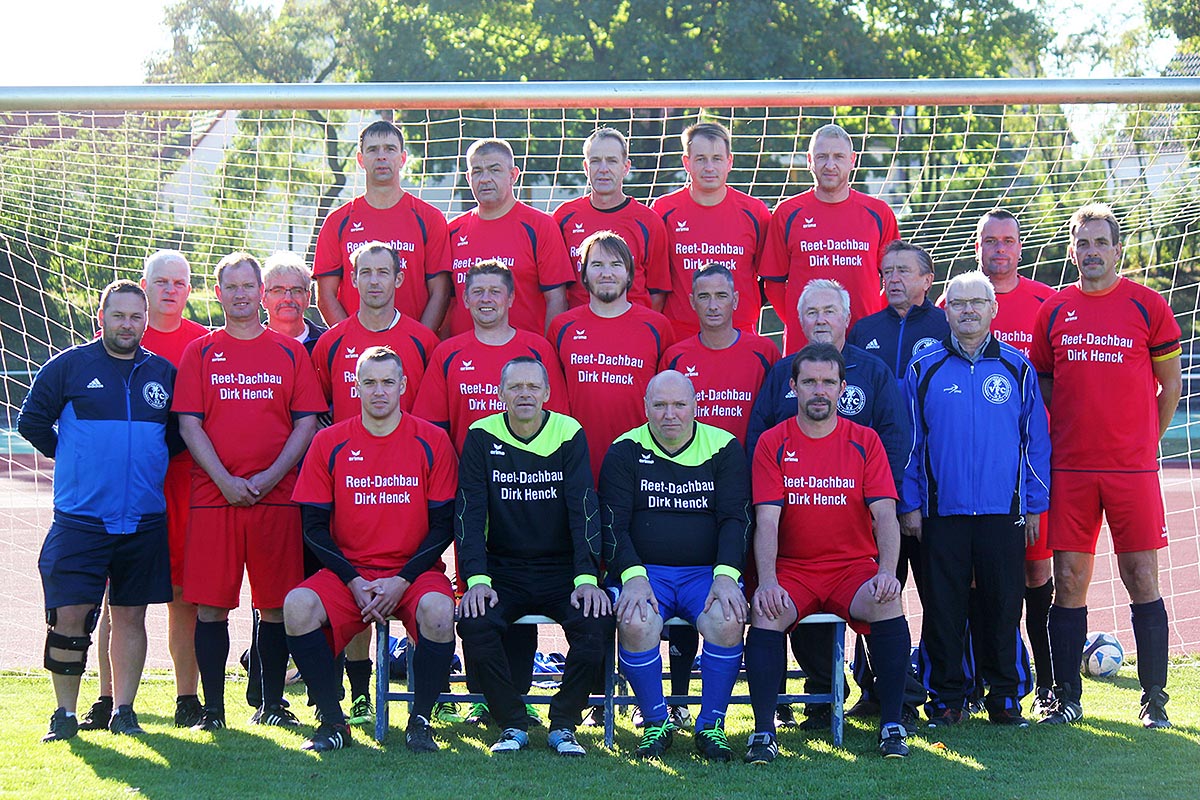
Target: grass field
(1108, 755)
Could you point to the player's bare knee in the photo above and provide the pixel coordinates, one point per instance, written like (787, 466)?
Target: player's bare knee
(126, 617)
(435, 617)
(720, 631)
(1037, 572)
(211, 614)
(301, 611)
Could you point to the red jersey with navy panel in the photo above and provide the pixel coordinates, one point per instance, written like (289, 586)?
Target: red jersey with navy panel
(413, 228)
(825, 487)
(336, 356)
(380, 487)
(1100, 350)
(608, 361)
(731, 233)
(1017, 317)
(634, 222)
(809, 239)
(171, 345)
(463, 377)
(526, 241)
(726, 381)
(246, 392)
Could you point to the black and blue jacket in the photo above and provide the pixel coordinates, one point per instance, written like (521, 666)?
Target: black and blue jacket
(981, 443)
(896, 340)
(110, 448)
(871, 398)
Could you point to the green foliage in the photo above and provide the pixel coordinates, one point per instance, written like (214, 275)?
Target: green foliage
(1181, 17)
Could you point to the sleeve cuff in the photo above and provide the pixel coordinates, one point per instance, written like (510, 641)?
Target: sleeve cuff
(478, 580)
(586, 580)
(727, 571)
(634, 572)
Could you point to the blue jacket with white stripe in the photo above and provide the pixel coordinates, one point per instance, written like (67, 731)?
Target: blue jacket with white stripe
(110, 448)
(896, 340)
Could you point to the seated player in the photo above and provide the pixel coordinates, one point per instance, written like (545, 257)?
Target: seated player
(381, 548)
(676, 494)
(814, 547)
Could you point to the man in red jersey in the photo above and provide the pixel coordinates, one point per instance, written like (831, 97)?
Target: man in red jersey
(517, 235)
(462, 381)
(287, 293)
(998, 250)
(385, 213)
(830, 231)
(610, 348)
(376, 494)
(816, 474)
(709, 221)
(606, 207)
(727, 366)
(377, 275)
(1106, 334)
(247, 400)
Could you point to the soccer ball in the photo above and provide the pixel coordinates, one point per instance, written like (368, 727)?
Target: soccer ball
(1102, 655)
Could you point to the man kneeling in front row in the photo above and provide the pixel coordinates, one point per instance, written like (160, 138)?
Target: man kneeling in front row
(381, 549)
(819, 481)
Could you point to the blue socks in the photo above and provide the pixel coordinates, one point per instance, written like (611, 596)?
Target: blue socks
(719, 667)
(643, 670)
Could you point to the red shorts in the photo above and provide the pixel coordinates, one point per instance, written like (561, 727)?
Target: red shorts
(262, 540)
(825, 586)
(178, 489)
(1131, 501)
(345, 618)
(1039, 550)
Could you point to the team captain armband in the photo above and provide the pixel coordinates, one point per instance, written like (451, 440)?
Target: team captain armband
(727, 571)
(1165, 351)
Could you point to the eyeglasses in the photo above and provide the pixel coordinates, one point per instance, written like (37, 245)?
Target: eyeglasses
(975, 303)
(289, 291)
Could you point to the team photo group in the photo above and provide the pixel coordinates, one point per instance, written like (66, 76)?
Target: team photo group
(574, 415)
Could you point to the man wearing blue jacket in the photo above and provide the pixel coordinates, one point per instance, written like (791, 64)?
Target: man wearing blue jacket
(110, 400)
(976, 481)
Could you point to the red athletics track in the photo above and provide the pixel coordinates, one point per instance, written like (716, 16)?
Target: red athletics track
(25, 502)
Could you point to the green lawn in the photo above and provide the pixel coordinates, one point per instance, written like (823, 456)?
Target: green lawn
(1108, 755)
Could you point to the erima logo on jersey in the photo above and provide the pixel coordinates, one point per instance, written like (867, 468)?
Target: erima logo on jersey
(809, 223)
(351, 352)
(580, 335)
(355, 455)
(497, 449)
(467, 366)
(681, 226)
(1071, 317)
(952, 389)
(155, 395)
(852, 401)
(95, 384)
(462, 241)
(645, 459)
(873, 344)
(356, 227)
(691, 373)
(578, 228)
(218, 358)
(790, 455)
(996, 389)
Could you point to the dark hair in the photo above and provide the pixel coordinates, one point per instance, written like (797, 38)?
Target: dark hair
(996, 213)
(380, 127)
(490, 266)
(236, 259)
(121, 286)
(709, 130)
(379, 353)
(614, 244)
(518, 361)
(376, 247)
(924, 260)
(819, 353)
(708, 270)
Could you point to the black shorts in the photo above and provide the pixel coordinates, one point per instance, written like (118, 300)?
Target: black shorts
(76, 564)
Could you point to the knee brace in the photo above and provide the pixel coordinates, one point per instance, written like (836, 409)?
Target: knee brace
(79, 644)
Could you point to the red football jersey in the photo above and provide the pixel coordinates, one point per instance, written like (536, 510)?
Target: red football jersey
(607, 363)
(1100, 348)
(527, 242)
(726, 381)
(171, 345)
(246, 392)
(825, 487)
(641, 229)
(1018, 313)
(337, 351)
(731, 233)
(413, 228)
(463, 377)
(843, 241)
(380, 487)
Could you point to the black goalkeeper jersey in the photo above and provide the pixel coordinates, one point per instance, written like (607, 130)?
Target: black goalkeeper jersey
(526, 504)
(691, 508)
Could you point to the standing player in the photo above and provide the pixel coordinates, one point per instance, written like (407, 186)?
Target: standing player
(385, 213)
(1102, 334)
(287, 292)
(606, 207)
(100, 410)
(517, 235)
(376, 493)
(527, 527)
(610, 347)
(998, 250)
(247, 404)
(802, 569)
(709, 221)
(675, 498)
(462, 382)
(830, 231)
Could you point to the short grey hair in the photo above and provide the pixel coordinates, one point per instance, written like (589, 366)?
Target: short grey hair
(831, 129)
(824, 284)
(975, 277)
(159, 257)
(282, 261)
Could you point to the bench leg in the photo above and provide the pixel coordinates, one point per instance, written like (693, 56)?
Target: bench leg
(838, 684)
(610, 680)
(382, 662)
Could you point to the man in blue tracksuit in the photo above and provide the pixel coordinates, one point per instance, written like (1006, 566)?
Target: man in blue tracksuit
(911, 322)
(110, 400)
(975, 483)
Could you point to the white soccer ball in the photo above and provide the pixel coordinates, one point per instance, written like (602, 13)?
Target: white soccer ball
(1102, 654)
